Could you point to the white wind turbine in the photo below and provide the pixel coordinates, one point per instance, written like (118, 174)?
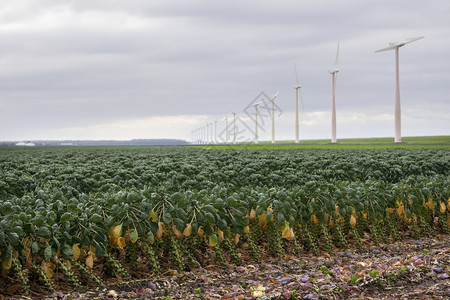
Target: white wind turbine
(398, 114)
(272, 99)
(226, 128)
(215, 132)
(256, 121)
(333, 73)
(297, 88)
(234, 127)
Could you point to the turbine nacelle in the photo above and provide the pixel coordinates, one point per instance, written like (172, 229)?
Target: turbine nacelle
(395, 45)
(297, 86)
(333, 71)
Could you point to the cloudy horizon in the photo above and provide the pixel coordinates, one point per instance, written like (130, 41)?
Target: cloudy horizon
(161, 69)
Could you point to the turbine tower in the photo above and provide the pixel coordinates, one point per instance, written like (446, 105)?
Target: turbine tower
(234, 127)
(297, 90)
(272, 99)
(333, 73)
(398, 113)
(256, 121)
(215, 132)
(226, 129)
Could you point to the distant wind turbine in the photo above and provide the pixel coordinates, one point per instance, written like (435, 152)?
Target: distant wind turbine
(226, 128)
(398, 114)
(234, 127)
(215, 132)
(297, 88)
(333, 73)
(256, 121)
(272, 99)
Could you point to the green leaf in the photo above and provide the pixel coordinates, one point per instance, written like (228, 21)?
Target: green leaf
(67, 252)
(34, 247)
(209, 208)
(210, 217)
(280, 218)
(96, 218)
(65, 217)
(14, 238)
(167, 218)
(269, 216)
(259, 210)
(151, 237)
(134, 236)
(179, 223)
(44, 232)
(48, 253)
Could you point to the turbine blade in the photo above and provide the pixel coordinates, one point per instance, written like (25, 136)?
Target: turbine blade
(388, 48)
(410, 40)
(296, 74)
(337, 56)
(276, 95)
(301, 99)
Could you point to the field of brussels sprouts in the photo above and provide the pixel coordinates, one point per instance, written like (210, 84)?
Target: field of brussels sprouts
(84, 217)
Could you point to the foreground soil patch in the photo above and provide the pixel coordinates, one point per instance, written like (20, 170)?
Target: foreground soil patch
(410, 269)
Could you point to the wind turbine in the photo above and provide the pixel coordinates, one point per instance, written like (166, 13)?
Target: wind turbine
(297, 89)
(398, 114)
(234, 127)
(215, 132)
(333, 73)
(226, 128)
(272, 99)
(256, 121)
(211, 132)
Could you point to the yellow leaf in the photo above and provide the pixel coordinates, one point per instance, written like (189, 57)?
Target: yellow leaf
(247, 229)
(47, 268)
(236, 238)
(220, 233)
(213, 239)
(262, 219)
(200, 231)
(90, 261)
(430, 204)
(177, 233)
(114, 233)
(153, 216)
(76, 251)
(188, 230)
(117, 230)
(401, 211)
(286, 234)
(252, 214)
(6, 263)
(314, 219)
(352, 221)
(331, 222)
(442, 207)
(121, 242)
(160, 231)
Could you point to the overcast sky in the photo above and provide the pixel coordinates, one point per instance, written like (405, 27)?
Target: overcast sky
(160, 69)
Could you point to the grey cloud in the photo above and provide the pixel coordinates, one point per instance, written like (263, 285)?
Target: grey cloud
(70, 63)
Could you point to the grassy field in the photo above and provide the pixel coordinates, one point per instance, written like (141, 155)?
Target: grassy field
(438, 142)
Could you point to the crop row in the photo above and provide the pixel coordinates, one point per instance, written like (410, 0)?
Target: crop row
(60, 224)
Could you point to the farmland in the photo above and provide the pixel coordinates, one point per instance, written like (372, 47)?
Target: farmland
(88, 216)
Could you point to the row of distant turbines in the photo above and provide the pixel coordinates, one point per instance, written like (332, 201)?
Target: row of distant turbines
(206, 134)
